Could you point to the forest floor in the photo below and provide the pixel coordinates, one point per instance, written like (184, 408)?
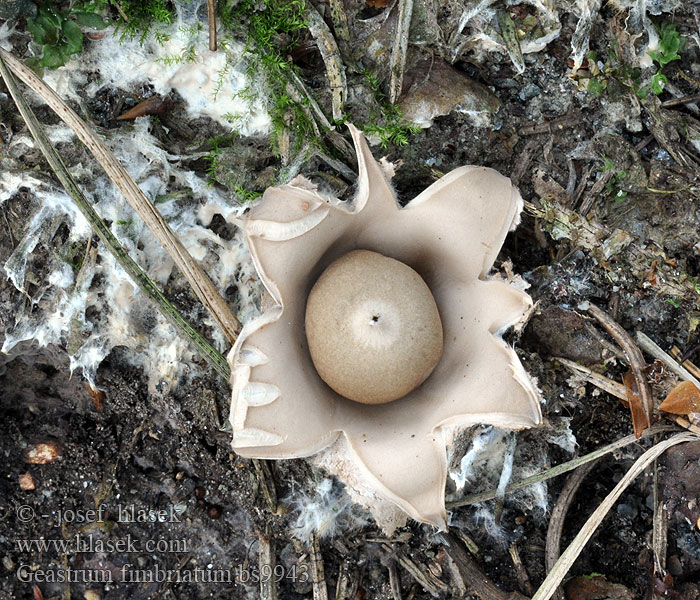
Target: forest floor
(609, 170)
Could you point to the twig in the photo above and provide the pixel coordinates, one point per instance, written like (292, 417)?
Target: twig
(211, 13)
(199, 281)
(562, 566)
(331, 57)
(679, 101)
(634, 356)
(105, 234)
(556, 521)
(553, 126)
(394, 582)
(318, 577)
(430, 583)
(590, 196)
(691, 367)
(520, 571)
(266, 567)
(399, 49)
(648, 345)
(475, 581)
(266, 480)
(342, 587)
(660, 528)
(600, 381)
(559, 469)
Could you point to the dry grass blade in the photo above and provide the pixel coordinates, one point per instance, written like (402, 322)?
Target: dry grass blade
(562, 566)
(105, 234)
(632, 353)
(201, 284)
(556, 521)
(559, 469)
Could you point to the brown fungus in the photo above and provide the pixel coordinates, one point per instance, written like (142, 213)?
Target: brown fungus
(373, 328)
(392, 455)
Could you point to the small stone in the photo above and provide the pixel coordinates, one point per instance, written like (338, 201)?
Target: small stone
(42, 453)
(26, 481)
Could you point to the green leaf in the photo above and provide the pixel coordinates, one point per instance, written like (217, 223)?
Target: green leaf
(37, 31)
(50, 17)
(658, 82)
(51, 32)
(53, 57)
(596, 85)
(90, 19)
(73, 36)
(643, 92)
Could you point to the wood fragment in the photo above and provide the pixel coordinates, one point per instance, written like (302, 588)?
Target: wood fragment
(266, 567)
(475, 581)
(553, 126)
(318, 576)
(681, 100)
(331, 58)
(606, 384)
(592, 195)
(399, 49)
(648, 345)
(342, 587)
(211, 14)
(267, 482)
(520, 571)
(634, 356)
(659, 529)
(556, 520)
(394, 581)
(425, 578)
(202, 286)
(691, 367)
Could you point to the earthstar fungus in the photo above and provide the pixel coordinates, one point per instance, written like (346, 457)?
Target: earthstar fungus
(389, 454)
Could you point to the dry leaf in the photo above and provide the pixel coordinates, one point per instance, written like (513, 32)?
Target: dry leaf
(155, 105)
(42, 453)
(682, 400)
(97, 396)
(634, 403)
(36, 592)
(378, 3)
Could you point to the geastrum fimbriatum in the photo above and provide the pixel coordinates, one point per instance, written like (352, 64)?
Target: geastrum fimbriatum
(385, 332)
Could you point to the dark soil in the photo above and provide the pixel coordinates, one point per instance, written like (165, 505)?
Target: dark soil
(168, 454)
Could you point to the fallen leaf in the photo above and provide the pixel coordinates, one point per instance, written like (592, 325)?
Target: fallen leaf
(42, 453)
(37, 593)
(26, 481)
(634, 403)
(155, 105)
(682, 399)
(378, 3)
